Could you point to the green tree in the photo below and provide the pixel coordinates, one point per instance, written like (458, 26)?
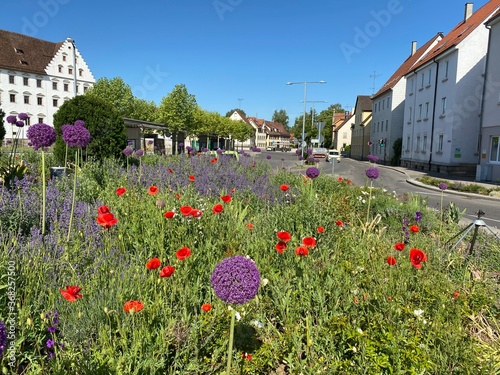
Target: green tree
(143, 110)
(326, 116)
(105, 124)
(229, 113)
(177, 110)
(397, 147)
(115, 92)
(2, 127)
(281, 117)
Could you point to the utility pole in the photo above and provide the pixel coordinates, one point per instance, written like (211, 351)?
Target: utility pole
(239, 103)
(374, 76)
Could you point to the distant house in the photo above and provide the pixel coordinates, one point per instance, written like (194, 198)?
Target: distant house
(443, 99)
(388, 105)
(361, 129)
(341, 125)
(237, 115)
(489, 161)
(37, 77)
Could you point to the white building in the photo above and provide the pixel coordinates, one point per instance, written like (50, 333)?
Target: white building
(388, 105)
(443, 99)
(37, 77)
(489, 167)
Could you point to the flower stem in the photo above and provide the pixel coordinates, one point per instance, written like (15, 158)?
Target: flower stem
(231, 339)
(73, 199)
(369, 201)
(44, 188)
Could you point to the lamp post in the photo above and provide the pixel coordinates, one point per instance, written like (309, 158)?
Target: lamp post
(305, 83)
(312, 114)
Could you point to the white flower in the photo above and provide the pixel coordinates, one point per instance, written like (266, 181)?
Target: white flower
(257, 324)
(360, 331)
(264, 282)
(418, 312)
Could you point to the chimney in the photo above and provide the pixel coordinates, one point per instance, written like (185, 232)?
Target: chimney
(413, 47)
(468, 11)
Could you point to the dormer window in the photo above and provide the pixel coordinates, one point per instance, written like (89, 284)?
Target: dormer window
(23, 62)
(18, 50)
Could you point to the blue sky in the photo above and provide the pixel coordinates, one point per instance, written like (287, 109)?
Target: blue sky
(232, 52)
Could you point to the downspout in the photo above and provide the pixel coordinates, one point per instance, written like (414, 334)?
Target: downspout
(433, 114)
(481, 118)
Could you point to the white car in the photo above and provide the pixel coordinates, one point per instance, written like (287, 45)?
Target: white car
(333, 154)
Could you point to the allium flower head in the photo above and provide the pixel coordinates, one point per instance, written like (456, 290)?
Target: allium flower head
(372, 158)
(41, 135)
(80, 123)
(139, 153)
(3, 338)
(127, 151)
(372, 173)
(11, 119)
(442, 186)
(19, 124)
(312, 172)
(75, 136)
(236, 280)
(23, 116)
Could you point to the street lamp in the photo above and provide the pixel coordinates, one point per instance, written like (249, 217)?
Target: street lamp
(312, 114)
(304, 116)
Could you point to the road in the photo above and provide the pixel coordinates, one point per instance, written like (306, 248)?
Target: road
(396, 180)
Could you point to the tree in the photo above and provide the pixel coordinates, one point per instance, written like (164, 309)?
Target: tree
(103, 121)
(176, 110)
(281, 117)
(2, 127)
(326, 116)
(143, 110)
(229, 113)
(116, 92)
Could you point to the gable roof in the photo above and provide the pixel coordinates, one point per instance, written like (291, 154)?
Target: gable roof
(341, 124)
(276, 128)
(365, 103)
(407, 64)
(494, 18)
(24, 53)
(461, 31)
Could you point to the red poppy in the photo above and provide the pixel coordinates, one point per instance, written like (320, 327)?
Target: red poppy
(391, 261)
(71, 293)
(153, 264)
(348, 182)
(213, 161)
(185, 210)
(120, 191)
(232, 190)
(191, 178)
(284, 236)
(280, 247)
(170, 170)
(309, 242)
(133, 306)
(249, 225)
(339, 179)
(206, 307)
(183, 253)
(399, 246)
(178, 196)
(456, 294)
(226, 198)
(153, 190)
(218, 208)
(417, 257)
(356, 301)
(246, 356)
(167, 271)
(169, 214)
(302, 251)
(196, 213)
(284, 187)
(103, 210)
(339, 223)
(106, 220)
(414, 228)
(320, 229)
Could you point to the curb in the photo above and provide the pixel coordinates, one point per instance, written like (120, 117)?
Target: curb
(414, 182)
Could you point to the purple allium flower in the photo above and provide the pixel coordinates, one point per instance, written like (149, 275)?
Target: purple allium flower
(150, 142)
(41, 135)
(301, 158)
(309, 151)
(257, 149)
(80, 123)
(204, 149)
(127, 151)
(23, 116)
(312, 172)
(418, 216)
(372, 158)
(139, 153)
(235, 280)
(219, 151)
(11, 119)
(75, 136)
(50, 343)
(297, 152)
(19, 124)
(129, 143)
(442, 186)
(372, 173)
(181, 144)
(268, 157)
(3, 338)
(189, 148)
(9, 142)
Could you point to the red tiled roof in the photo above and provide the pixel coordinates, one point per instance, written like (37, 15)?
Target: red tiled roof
(341, 124)
(461, 31)
(405, 67)
(494, 17)
(35, 53)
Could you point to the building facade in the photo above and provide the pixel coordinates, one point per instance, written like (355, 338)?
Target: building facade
(361, 129)
(37, 77)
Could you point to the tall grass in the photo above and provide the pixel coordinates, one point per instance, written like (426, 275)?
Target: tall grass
(340, 309)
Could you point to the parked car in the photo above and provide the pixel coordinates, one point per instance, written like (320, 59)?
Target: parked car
(319, 153)
(333, 154)
(271, 148)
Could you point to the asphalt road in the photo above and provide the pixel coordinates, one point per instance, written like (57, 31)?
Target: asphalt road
(398, 180)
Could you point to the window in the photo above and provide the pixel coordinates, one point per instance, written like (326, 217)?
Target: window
(430, 77)
(18, 50)
(427, 110)
(85, 88)
(408, 144)
(443, 106)
(411, 114)
(446, 68)
(412, 85)
(495, 150)
(80, 72)
(59, 68)
(38, 83)
(39, 100)
(64, 57)
(422, 80)
(383, 104)
(386, 125)
(66, 87)
(25, 81)
(12, 79)
(54, 102)
(419, 112)
(40, 120)
(12, 98)
(424, 145)
(70, 70)
(417, 148)
(54, 85)
(388, 101)
(440, 143)
(26, 99)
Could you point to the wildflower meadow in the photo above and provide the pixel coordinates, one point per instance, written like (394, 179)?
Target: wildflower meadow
(205, 264)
